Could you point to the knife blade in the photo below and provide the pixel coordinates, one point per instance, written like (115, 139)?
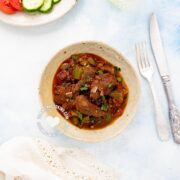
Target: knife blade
(157, 46)
(161, 63)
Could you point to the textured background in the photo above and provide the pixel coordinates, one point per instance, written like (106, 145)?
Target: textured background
(136, 153)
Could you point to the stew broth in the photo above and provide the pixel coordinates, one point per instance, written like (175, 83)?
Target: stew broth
(91, 91)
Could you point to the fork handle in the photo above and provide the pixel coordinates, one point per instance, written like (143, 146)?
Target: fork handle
(173, 111)
(161, 124)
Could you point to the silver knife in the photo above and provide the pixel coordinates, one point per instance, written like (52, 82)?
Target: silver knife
(164, 73)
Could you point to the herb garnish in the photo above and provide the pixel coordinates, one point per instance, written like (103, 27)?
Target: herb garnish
(71, 100)
(108, 117)
(103, 98)
(100, 72)
(80, 116)
(93, 120)
(75, 57)
(84, 87)
(118, 79)
(116, 68)
(104, 107)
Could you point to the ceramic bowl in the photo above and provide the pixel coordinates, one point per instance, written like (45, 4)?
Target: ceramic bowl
(114, 57)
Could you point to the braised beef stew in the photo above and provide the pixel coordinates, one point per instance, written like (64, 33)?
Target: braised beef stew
(91, 91)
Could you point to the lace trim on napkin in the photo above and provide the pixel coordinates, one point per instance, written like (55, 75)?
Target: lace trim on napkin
(57, 160)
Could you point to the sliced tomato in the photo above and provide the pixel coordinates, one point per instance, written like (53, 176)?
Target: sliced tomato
(17, 4)
(6, 7)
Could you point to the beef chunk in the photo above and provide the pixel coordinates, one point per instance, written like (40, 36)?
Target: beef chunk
(84, 106)
(102, 85)
(88, 73)
(107, 68)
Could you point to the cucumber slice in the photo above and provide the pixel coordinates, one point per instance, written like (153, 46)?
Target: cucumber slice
(32, 5)
(56, 1)
(47, 6)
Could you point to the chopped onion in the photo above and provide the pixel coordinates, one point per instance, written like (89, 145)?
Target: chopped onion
(69, 94)
(94, 89)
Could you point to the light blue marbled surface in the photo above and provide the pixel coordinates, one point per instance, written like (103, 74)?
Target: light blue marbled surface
(136, 153)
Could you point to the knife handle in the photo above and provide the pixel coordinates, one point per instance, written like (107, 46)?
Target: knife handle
(173, 111)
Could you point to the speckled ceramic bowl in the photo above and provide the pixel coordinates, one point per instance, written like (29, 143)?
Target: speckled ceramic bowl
(114, 57)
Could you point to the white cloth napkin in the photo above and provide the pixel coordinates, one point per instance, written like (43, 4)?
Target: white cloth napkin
(24, 158)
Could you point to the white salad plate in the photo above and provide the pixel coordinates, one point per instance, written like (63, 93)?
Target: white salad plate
(35, 19)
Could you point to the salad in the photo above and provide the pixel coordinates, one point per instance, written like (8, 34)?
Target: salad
(13, 6)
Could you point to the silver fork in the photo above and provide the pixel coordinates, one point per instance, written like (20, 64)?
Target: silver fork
(146, 71)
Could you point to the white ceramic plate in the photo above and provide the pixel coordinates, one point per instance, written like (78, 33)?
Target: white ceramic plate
(114, 57)
(27, 19)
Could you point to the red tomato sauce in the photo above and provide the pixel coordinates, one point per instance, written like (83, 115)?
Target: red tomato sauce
(91, 91)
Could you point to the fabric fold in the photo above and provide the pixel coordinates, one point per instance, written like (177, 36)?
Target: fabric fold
(24, 158)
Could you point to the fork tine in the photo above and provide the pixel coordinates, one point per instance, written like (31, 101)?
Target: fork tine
(146, 54)
(142, 55)
(138, 57)
(146, 59)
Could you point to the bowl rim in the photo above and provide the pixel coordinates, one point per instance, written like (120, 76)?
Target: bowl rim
(127, 62)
